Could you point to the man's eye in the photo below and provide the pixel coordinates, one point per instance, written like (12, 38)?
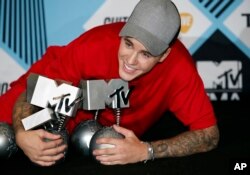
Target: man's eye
(128, 44)
(146, 55)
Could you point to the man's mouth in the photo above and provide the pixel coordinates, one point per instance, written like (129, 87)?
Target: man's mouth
(128, 69)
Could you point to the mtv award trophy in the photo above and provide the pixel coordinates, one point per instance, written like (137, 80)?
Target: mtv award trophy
(58, 103)
(117, 94)
(93, 93)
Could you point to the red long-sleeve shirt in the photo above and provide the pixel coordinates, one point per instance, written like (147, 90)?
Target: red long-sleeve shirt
(172, 85)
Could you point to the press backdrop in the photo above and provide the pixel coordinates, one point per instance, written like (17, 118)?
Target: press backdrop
(217, 34)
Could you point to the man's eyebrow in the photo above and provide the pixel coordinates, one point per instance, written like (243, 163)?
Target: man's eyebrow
(128, 40)
(147, 52)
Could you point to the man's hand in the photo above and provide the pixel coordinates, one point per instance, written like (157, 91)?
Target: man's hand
(39, 151)
(131, 149)
(127, 150)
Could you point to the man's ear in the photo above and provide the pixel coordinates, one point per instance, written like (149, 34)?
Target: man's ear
(165, 55)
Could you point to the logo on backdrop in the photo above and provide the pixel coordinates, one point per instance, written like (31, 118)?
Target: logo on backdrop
(186, 22)
(224, 82)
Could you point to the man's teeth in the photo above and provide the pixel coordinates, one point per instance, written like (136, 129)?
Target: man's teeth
(129, 68)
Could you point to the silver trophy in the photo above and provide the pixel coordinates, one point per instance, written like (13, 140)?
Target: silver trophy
(83, 133)
(59, 102)
(94, 94)
(8, 145)
(117, 95)
(97, 95)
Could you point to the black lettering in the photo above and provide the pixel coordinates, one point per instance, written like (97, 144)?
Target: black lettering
(121, 95)
(125, 97)
(4, 88)
(109, 20)
(234, 80)
(61, 101)
(225, 76)
(247, 15)
(117, 94)
(69, 106)
(228, 76)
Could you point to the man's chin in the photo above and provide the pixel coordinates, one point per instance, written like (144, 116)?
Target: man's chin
(126, 77)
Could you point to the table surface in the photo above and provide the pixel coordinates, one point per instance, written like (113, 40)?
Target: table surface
(213, 162)
(234, 145)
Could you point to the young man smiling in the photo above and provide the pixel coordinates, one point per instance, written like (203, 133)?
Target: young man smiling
(135, 60)
(146, 53)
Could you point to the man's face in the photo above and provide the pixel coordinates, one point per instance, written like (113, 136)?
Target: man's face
(134, 59)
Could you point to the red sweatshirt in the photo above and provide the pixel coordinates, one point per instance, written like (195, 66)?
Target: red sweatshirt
(173, 85)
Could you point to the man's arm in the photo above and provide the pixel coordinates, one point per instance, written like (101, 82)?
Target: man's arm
(132, 150)
(32, 141)
(22, 109)
(187, 143)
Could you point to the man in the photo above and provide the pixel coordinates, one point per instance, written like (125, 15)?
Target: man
(146, 53)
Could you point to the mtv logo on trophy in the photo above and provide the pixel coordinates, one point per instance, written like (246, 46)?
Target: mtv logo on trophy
(60, 101)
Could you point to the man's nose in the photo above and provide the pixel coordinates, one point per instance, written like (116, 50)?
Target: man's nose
(132, 59)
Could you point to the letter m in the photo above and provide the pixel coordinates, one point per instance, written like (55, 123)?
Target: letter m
(44, 92)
